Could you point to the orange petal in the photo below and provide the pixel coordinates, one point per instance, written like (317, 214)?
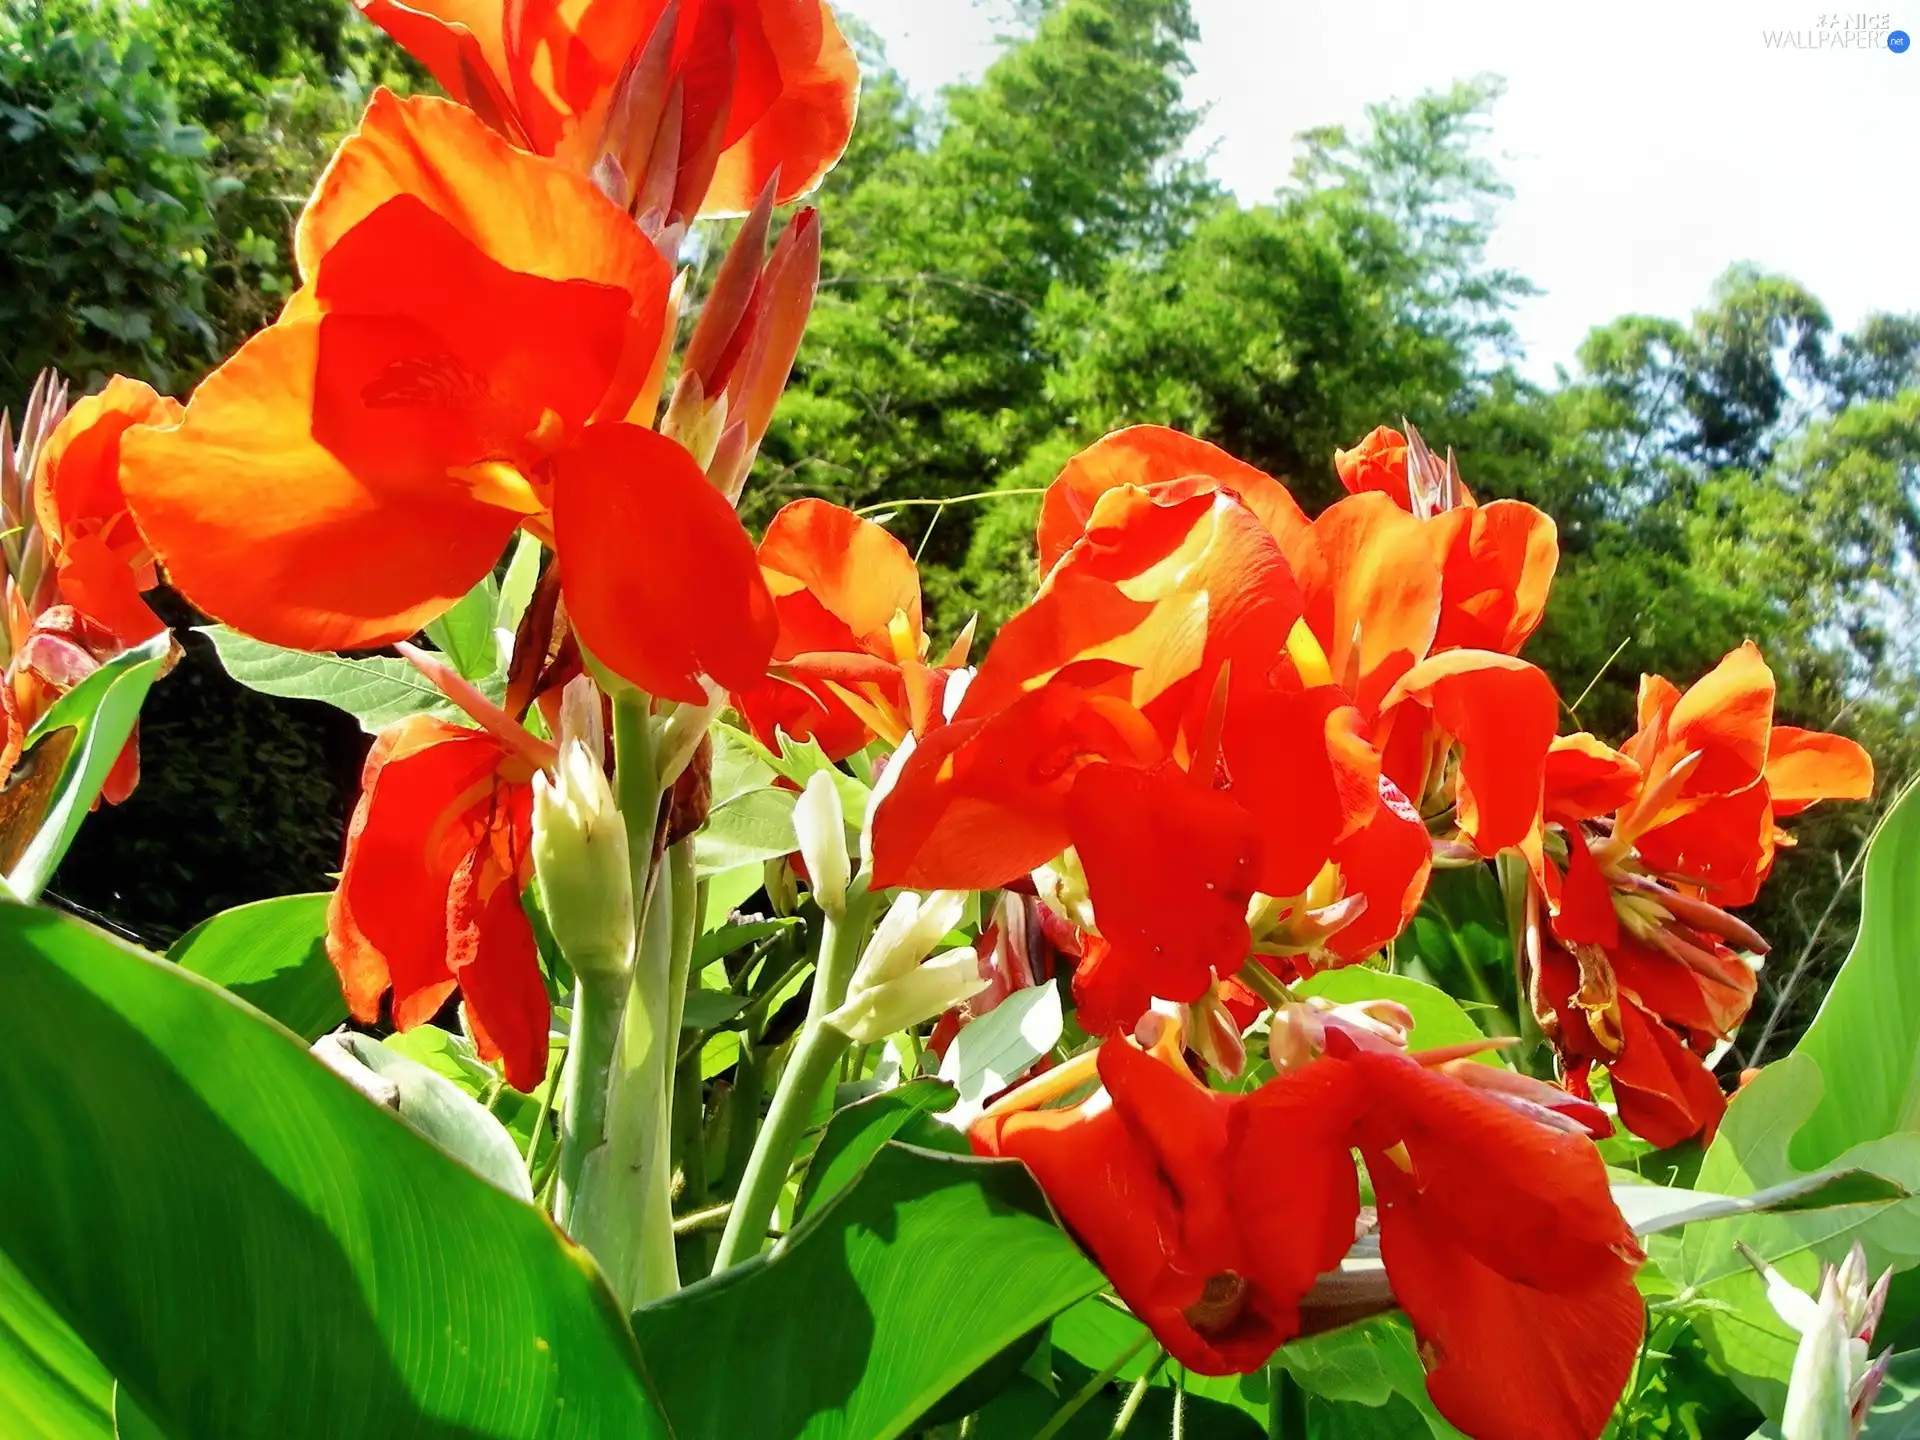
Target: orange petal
(1170, 869)
(1171, 585)
(793, 116)
(1377, 463)
(1726, 715)
(1497, 563)
(1585, 778)
(1372, 593)
(460, 43)
(660, 581)
(1148, 455)
(307, 497)
(1502, 711)
(1585, 913)
(524, 213)
(981, 801)
(79, 472)
(837, 580)
(1806, 766)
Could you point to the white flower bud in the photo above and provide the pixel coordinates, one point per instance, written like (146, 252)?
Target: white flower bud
(580, 845)
(889, 777)
(919, 993)
(1063, 886)
(895, 985)
(822, 827)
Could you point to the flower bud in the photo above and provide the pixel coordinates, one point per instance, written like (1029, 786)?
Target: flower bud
(1063, 885)
(783, 891)
(821, 825)
(580, 847)
(919, 993)
(895, 985)
(1832, 1386)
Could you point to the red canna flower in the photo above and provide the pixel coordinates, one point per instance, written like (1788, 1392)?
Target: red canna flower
(101, 563)
(75, 565)
(1638, 966)
(850, 661)
(475, 326)
(685, 107)
(429, 896)
(1213, 1215)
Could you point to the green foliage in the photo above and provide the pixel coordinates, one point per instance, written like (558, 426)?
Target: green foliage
(273, 955)
(106, 211)
(203, 1189)
(985, 1265)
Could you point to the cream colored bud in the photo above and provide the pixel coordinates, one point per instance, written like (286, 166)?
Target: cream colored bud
(580, 856)
(889, 777)
(1063, 886)
(821, 825)
(918, 993)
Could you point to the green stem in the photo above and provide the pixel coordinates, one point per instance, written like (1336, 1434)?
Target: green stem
(636, 786)
(808, 1071)
(540, 1115)
(1084, 1395)
(597, 1005)
(1134, 1397)
(1287, 1411)
(811, 1068)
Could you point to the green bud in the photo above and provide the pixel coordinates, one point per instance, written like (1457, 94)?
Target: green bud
(580, 850)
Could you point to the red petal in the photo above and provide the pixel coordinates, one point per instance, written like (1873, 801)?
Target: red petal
(1585, 778)
(1170, 868)
(492, 953)
(1663, 1091)
(1502, 711)
(1387, 860)
(982, 801)
(660, 581)
(425, 793)
(1300, 759)
(1725, 846)
(1586, 915)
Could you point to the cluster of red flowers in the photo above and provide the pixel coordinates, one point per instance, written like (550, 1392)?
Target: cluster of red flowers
(1223, 747)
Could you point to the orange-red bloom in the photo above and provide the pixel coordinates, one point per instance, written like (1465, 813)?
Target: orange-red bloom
(1640, 967)
(850, 661)
(77, 564)
(1213, 1214)
(429, 896)
(1294, 718)
(475, 326)
(695, 104)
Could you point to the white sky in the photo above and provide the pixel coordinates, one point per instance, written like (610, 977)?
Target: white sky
(1649, 143)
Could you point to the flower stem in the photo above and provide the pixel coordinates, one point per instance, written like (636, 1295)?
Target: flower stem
(597, 1005)
(1093, 1387)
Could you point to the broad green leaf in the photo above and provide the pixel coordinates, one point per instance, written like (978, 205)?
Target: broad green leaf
(376, 691)
(1367, 1364)
(1096, 1333)
(51, 1387)
(885, 1298)
(718, 944)
(1843, 1100)
(101, 712)
(856, 1132)
(252, 1248)
(465, 633)
(729, 890)
(799, 761)
(1866, 1036)
(1438, 1020)
(452, 1056)
(438, 1109)
(1458, 940)
(737, 765)
(1651, 1209)
(752, 827)
(273, 955)
(708, 1009)
(990, 1053)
